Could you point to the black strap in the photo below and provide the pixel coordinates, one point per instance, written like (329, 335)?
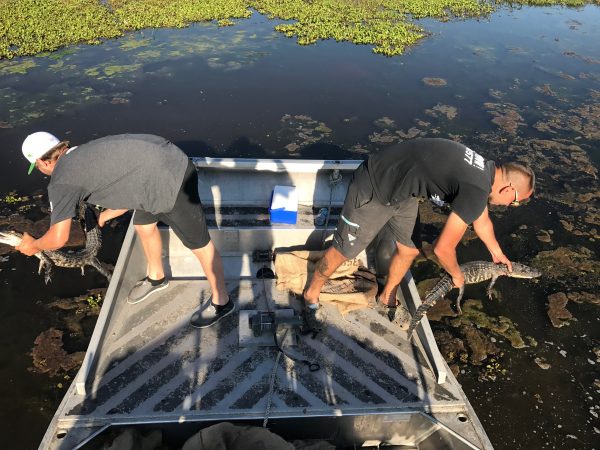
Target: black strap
(312, 366)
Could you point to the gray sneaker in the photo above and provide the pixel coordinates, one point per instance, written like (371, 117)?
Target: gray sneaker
(144, 289)
(210, 314)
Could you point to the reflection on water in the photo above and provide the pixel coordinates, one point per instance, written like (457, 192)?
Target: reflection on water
(525, 84)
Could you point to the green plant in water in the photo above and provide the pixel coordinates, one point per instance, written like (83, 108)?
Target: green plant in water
(94, 301)
(28, 27)
(16, 67)
(11, 198)
(225, 22)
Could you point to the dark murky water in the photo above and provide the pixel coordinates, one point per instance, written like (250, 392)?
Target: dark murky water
(245, 91)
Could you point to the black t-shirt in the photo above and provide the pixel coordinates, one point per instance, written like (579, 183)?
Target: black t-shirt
(442, 170)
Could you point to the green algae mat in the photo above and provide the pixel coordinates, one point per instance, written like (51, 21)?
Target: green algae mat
(28, 27)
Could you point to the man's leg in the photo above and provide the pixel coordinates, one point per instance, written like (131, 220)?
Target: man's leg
(405, 226)
(152, 245)
(220, 305)
(331, 260)
(399, 265)
(360, 220)
(211, 263)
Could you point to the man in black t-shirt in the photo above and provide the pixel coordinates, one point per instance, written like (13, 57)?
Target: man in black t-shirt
(385, 191)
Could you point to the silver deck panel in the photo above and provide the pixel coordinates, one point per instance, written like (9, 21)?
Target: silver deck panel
(155, 362)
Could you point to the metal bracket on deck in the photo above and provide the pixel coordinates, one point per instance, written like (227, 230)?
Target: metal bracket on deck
(285, 318)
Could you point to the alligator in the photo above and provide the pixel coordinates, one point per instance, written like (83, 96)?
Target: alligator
(79, 258)
(474, 272)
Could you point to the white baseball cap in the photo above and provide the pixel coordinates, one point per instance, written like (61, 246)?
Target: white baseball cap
(36, 145)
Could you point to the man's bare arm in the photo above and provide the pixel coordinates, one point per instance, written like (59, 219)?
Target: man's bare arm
(445, 247)
(56, 237)
(484, 228)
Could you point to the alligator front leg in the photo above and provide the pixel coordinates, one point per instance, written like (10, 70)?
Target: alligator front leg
(461, 291)
(490, 286)
(100, 268)
(46, 266)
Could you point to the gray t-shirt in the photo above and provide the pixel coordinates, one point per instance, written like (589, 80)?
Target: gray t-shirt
(127, 171)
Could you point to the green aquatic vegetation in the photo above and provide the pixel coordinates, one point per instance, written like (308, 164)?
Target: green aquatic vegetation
(32, 26)
(473, 314)
(57, 55)
(118, 69)
(387, 25)
(570, 3)
(16, 67)
(12, 197)
(108, 70)
(95, 300)
(148, 55)
(138, 14)
(133, 43)
(22, 107)
(60, 66)
(62, 95)
(225, 22)
(25, 208)
(28, 27)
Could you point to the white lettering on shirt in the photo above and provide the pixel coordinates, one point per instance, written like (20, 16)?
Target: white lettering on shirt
(437, 200)
(51, 207)
(474, 159)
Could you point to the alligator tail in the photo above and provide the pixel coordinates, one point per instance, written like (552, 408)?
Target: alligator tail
(439, 291)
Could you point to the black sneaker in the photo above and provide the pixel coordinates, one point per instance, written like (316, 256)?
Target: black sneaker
(396, 314)
(402, 318)
(314, 320)
(144, 289)
(385, 310)
(211, 314)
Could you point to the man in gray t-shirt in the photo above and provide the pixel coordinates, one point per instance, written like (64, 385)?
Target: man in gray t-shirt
(138, 172)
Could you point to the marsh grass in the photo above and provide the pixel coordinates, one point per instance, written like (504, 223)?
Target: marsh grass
(28, 27)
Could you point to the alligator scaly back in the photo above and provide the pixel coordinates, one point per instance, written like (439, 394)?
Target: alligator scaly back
(86, 256)
(474, 272)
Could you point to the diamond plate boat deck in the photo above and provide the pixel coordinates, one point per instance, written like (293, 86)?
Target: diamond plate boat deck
(146, 366)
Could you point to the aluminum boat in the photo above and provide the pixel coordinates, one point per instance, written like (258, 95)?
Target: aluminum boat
(147, 367)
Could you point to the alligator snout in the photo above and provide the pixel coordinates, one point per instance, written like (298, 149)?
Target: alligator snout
(11, 238)
(523, 271)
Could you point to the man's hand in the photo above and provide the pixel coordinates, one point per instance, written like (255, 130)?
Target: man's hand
(485, 230)
(27, 245)
(502, 259)
(109, 214)
(102, 218)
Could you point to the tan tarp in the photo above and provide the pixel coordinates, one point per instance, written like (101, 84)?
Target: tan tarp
(351, 286)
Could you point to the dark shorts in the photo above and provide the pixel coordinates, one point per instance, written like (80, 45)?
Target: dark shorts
(363, 216)
(186, 218)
